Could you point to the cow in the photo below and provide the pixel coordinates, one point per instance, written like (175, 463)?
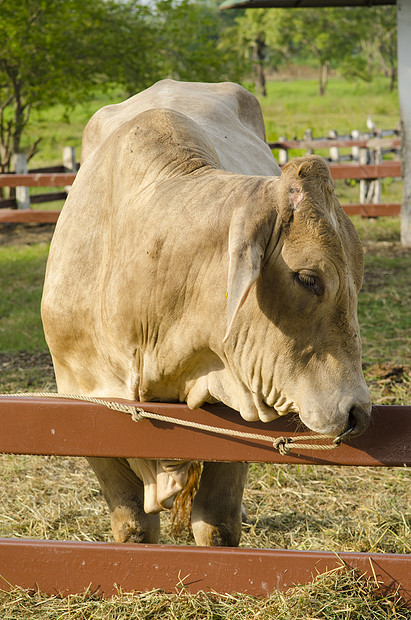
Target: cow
(187, 267)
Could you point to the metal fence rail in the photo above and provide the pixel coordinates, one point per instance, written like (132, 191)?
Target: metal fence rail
(41, 425)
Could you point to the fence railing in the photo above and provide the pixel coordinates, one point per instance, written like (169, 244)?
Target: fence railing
(17, 208)
(366, 154)
(72, 567)
(366, 165)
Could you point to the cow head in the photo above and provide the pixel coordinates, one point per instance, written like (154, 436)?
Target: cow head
(292, 339)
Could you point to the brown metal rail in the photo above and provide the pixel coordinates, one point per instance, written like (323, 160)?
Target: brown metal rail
(40, 425)
(44, 425)
(59, 567)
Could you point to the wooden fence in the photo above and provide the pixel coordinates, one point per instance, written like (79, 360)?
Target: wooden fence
(40, 425)
(366, 165)
(18, 207)
(365, 152)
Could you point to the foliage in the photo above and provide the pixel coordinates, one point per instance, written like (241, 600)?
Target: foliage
(60, 51)
(56, 51)
(374, 33)
(189, 43)
(359, 41)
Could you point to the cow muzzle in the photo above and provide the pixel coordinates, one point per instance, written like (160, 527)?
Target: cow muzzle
(345, 419)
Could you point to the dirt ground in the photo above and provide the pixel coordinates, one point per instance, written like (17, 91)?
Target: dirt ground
(25, 234)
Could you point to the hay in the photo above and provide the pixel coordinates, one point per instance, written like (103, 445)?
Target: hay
(339, 594)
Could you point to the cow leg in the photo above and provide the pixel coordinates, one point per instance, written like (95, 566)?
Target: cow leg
(216, 513)
(124, 494)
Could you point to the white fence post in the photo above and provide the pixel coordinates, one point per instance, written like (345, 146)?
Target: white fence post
(69, 161)
(376, 183)
(364, 184)
(334, 150)
(355, 151)
(22, 193)
(282, 153)
(308, 135)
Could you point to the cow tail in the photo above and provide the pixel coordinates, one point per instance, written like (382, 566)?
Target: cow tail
(183, 503)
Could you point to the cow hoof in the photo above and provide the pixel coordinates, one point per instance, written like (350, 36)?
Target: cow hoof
(126, 528)
(221, 535)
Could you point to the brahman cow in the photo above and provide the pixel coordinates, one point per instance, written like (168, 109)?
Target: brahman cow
(186, 267)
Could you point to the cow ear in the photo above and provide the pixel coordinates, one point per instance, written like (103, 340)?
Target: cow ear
(244, 269)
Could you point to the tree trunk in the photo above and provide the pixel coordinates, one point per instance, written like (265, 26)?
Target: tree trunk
(393, 78)
(259, 59)
(323, 77)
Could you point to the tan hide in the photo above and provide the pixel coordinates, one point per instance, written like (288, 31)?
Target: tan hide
(177, 274)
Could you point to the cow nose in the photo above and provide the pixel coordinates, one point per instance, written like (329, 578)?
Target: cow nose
(358, 420)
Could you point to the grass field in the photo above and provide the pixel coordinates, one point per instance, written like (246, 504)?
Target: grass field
(295, 507)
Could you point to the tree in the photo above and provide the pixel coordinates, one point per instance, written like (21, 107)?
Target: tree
(325, 33)
(190, 45)
(257, 39)
(60, 50)
(377, 34)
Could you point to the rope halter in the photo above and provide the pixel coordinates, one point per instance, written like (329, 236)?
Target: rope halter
(284, 445)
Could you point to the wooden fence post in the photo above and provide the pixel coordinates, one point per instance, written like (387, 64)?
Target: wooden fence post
(22, 193)
(334, 150)
(308, 135)
(69, 161)
(376, 183)
(355, 151)
(282, 153)
(364, 184)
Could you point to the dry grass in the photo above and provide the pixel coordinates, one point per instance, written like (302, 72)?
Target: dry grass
(318, 600)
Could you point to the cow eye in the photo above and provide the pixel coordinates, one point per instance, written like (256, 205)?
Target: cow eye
(309, 282)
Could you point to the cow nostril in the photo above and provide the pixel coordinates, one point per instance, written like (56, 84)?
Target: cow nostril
(350, 428)
(352, 421)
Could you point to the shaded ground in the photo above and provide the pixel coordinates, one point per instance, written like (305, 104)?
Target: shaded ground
(26, 371)
(25, 234)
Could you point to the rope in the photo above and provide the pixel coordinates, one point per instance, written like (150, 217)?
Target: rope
(284, 445)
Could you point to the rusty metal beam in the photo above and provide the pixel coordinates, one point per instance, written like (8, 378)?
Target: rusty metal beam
(59, 567)
(60, 426)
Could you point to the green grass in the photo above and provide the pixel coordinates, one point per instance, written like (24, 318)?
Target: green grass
(291, 107)
(384, 308)
(21, 281)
